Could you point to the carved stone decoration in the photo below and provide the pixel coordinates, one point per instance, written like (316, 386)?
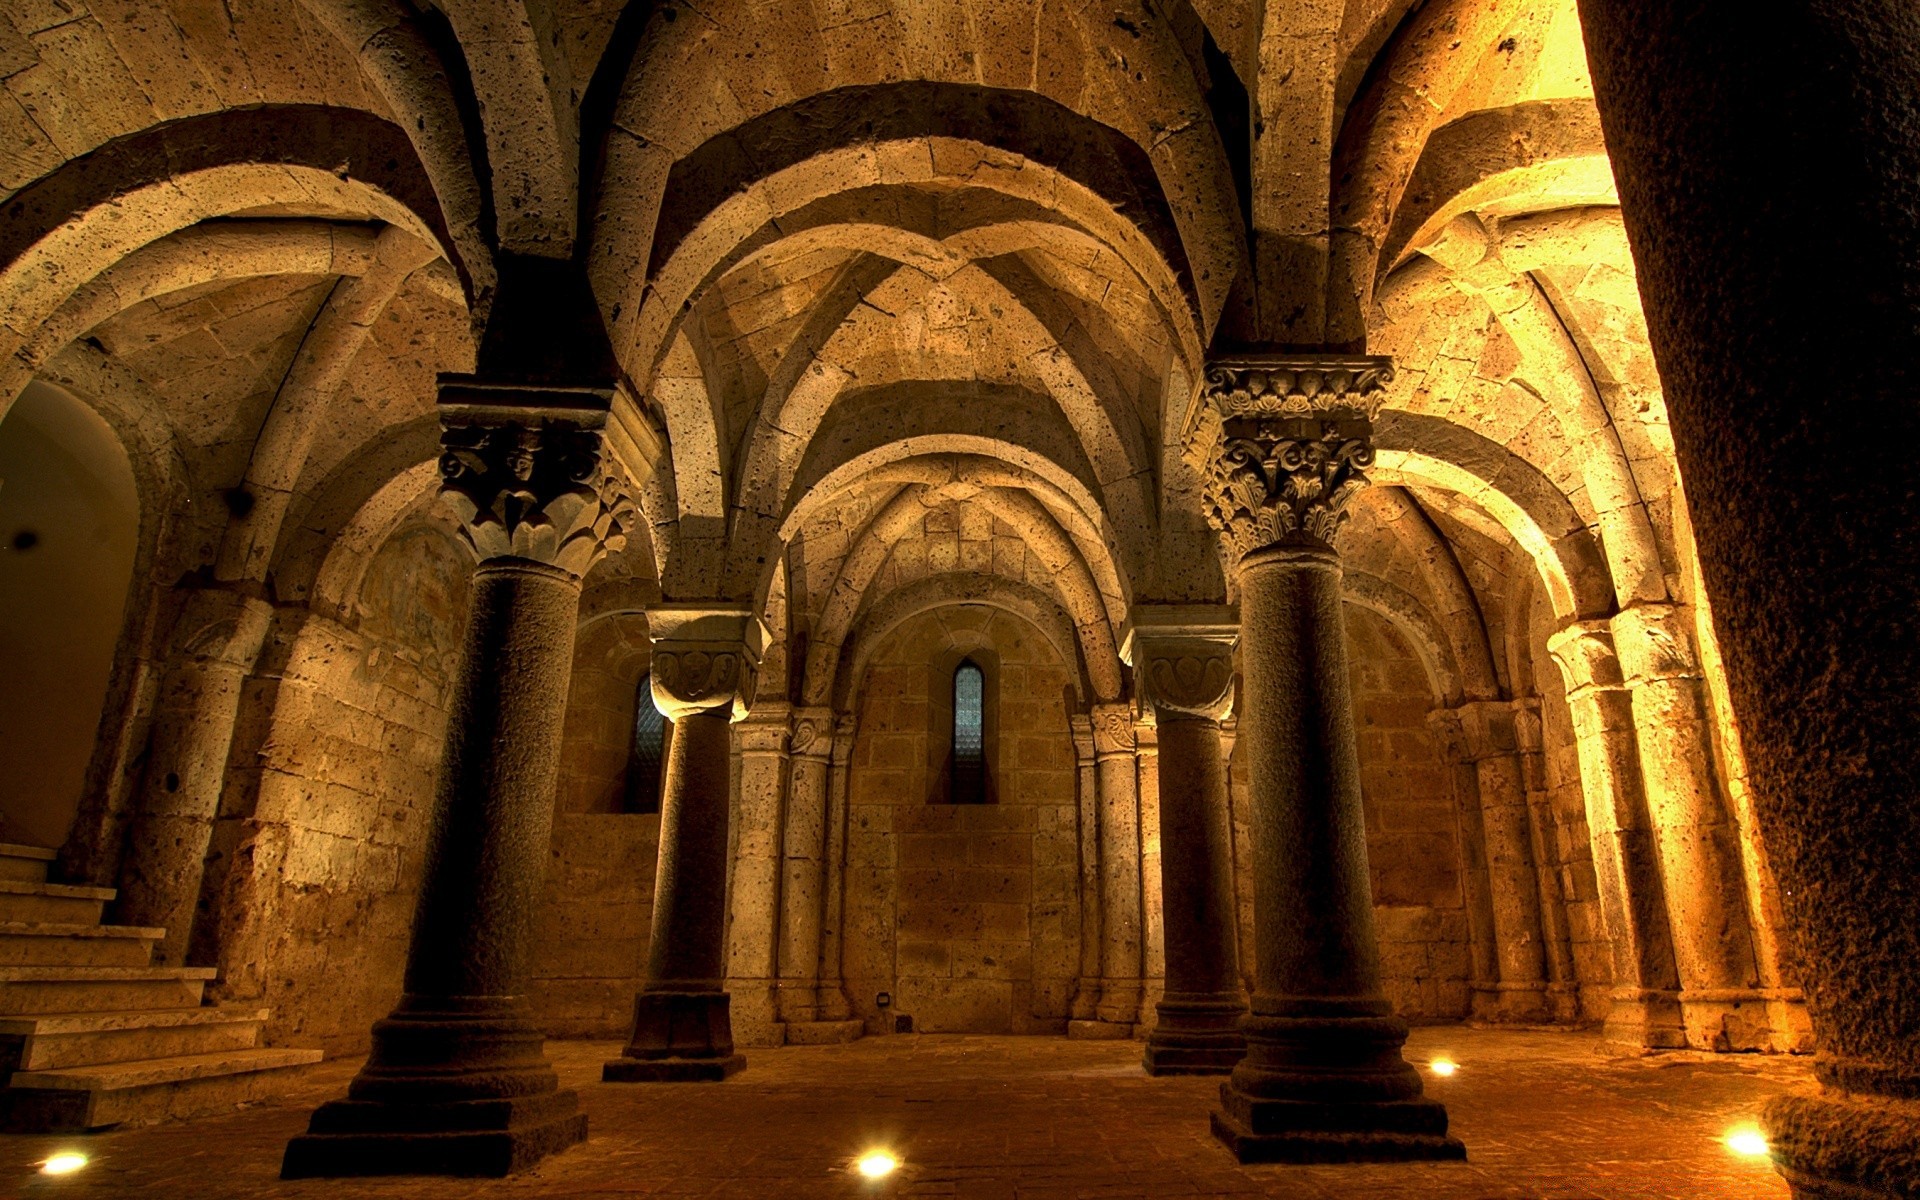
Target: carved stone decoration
(1113, 731)
(529, 481)
(1188, 677)
(704, 659)
(1295, 443)
(812, 732)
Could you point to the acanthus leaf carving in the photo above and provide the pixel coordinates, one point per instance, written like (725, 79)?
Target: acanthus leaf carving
(1113, 729)
(533, 485)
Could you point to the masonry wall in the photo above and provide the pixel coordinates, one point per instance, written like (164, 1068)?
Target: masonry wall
(967, 916)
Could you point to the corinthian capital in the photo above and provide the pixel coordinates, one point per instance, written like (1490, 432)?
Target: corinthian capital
(1182, 658)
(523, 470)
(1295, 441)
(704, 659)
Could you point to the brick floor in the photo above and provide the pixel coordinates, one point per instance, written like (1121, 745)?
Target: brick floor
(1001, 1118)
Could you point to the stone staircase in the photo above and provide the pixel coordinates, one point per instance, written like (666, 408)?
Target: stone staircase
(94, 1035)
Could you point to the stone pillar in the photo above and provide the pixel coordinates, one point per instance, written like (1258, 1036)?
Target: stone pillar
(218, 638)
(753, 883)
(1563, 977)
(457, 1082)
(704, 659)
(1323, 1079)
(1483, 985)
(1086, 995)
(836, 1008)
(1153, 943)
(1699, 849)
(1488, 741)
(1119, 823)
(1645, 1009)
(1784, 311)
(1183, 661)
(803, 891)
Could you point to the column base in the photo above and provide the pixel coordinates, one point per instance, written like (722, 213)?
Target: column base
(1196, 1037)
(1296, 1131)
(1510, 1004)
(1834, 1147)
(1728, 1021)
(1100, 1031)
(1644, 1021)
(824, 1033)
(678, 1037)
(475, 1138)
(1327, 1083)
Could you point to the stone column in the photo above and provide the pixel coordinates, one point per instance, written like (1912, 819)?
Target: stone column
(756, 870)
(1784, 311)
(1119, 823)
(1483, 985)
(803, 891)
(1153, 943)
(1086, 995)
(1183, 661)
(1323, 1078)
(1488, 741)
(1699, 849)
(457, 1082)
(1563, 978)
(704, 659)
(1645, 1009)
(836, 1008)
(218, 638)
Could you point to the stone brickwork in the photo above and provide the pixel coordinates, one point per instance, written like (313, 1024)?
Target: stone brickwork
(966, 914)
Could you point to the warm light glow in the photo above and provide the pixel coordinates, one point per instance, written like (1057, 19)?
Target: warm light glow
(876, 1164)
(1747, 1140)
(1443, 1067)
(64, 1163)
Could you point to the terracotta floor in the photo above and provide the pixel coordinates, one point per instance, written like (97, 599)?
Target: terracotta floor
(998, 1118)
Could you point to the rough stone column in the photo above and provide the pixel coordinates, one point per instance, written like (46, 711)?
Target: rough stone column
(1086, 995)
(1720, 1000)
(803, 890)
(1483, 984)
(218, 640)
(836, 1008)
(1183, 661)
(1491, 745)
(457, 1082)
(1153, 943)
(754, 898)
(1645, 1009)
(704, 659)
(1784, 311)
(1323, 1078)
(1563, 978)
(1116, 781)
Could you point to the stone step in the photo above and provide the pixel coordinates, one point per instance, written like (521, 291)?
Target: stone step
(64, 903)
(56, 943)
(25, 864)
(27, 990)
(50, 1041)
(148, 1090)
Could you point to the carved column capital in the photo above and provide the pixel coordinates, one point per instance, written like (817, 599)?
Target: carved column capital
(813, 729)
(1081, 729)
(764, 731)
(1486, 729)
(844, 727)
(1655, 643)
(523, 470)
(1295, 441)
(1585, 653)
(1182, 660)
(1113, 731)
(704, 659)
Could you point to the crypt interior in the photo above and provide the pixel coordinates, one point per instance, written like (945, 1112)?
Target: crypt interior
(661, 596)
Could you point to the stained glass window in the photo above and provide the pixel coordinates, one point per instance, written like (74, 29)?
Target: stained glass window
(648, 757)
(969, 735)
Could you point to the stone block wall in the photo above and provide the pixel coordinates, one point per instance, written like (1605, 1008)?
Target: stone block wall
(965, 915)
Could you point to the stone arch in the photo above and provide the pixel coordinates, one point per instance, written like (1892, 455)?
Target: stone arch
(1429, 639)
(335, 584)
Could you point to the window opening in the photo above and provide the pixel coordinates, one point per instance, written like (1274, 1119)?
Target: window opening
(647, 758)
(969, 782)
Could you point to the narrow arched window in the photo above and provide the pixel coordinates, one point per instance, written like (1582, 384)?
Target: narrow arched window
(969, 785)
(648, 755)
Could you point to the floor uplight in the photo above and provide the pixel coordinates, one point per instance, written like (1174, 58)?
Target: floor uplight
(1747, 1141)
(64, 1163)
(876, 1164)
(1443, 1067)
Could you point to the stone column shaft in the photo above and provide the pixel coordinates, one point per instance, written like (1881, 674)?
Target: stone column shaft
(1698, 843)
(1153, 940)
(1086, 995)
(1323, 1078)
(1183, 662)
(704, 658)
(1120, 926)
(1645, 1009)
(1563, 981)
(836, 1007)
(457, 1082)
(755, 875)
(803, 866)
(219, 636)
